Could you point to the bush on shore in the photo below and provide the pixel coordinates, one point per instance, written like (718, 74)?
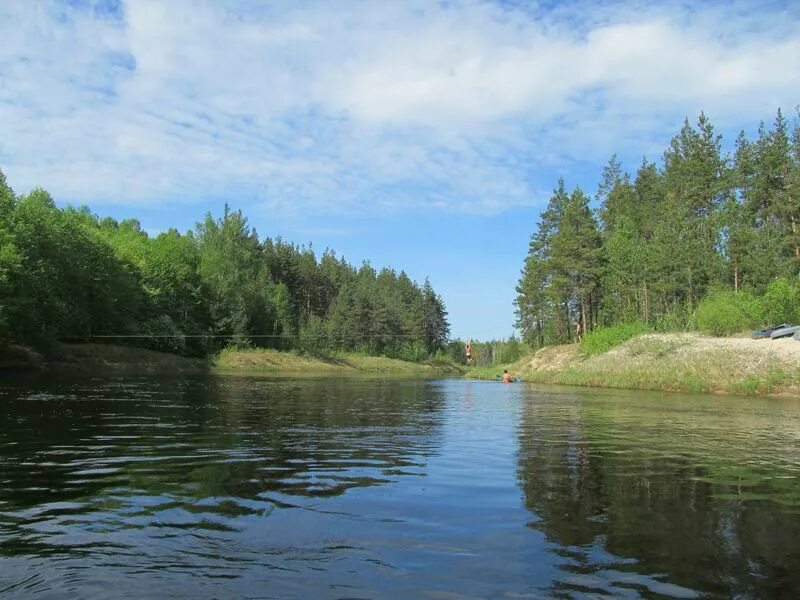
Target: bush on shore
(725, 312)
(603, 339)
(780, 302)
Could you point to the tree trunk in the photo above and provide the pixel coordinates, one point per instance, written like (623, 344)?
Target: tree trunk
(646, 305)
(567, 322)
(541, 333)
(583, 317)
(736, 277)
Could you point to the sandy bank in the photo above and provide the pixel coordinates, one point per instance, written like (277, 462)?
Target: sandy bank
(680, 362)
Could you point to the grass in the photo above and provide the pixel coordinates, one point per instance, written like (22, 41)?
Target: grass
(92, 357)
(260, 361)
(606, 338)
(15, 357)
(99, 358)
(673, 362)
(774, 381)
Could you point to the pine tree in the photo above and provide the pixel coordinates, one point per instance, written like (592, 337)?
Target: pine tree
(696, 188)
(434, 318)
(560, 280)
(793, 194)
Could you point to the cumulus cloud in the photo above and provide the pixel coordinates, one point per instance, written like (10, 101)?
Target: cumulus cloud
(333, 106)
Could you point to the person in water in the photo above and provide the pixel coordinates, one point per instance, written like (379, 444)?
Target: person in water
(507, 376)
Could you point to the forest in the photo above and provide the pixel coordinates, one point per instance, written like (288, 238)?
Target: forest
(703, 240)
(706, 240)
(67, 275)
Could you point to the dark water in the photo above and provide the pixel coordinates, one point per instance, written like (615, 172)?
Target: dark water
(259, 488)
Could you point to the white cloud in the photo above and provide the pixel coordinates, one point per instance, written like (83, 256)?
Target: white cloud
(332, 106)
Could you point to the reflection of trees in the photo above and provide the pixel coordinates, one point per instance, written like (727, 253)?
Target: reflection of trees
(321, 437)
(225, 446)
(600, 475)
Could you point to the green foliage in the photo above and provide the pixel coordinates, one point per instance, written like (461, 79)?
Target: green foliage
(780, 302)
(67, 275)
(669, 238)
(560, 281)
(412, 352)
(489, 353)
(724, 312)
(313, 339)
(677, 319)
(163, 335)
(603, 339)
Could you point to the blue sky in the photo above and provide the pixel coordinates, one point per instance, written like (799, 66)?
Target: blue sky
(423, 135)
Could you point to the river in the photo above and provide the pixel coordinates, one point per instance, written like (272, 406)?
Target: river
(227, 487)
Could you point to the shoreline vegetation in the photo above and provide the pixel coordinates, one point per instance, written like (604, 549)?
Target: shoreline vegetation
(706, 240)
(675, 362)
(69, 275)
(106, 358)
(273, 362)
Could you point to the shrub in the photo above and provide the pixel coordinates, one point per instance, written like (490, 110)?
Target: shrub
(779, 304)
(163, 335)
(511, 351)
(602, 340)
(725, 312)
(671, 321)
(313, 338)
(412, 352)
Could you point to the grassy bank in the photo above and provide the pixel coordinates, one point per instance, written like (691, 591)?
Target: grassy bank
(91, 359)
(673, 362)
(19, 358)
(273, 362)
(676, 362)
(106, 358)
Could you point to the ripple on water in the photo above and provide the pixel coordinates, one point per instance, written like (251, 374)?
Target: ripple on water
(328, 488)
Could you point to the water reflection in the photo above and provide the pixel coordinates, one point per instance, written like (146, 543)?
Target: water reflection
(673, 498)
(223, 437)
(264, 488)
(87, 464)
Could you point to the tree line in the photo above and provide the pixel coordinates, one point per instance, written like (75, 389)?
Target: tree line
(659, 242)
(487, 353)
(67, 275)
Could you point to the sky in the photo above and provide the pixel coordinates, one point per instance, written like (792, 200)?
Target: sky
(421, 135)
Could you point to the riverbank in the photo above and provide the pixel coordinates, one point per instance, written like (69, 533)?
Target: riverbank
(670, 362)
(106, 358)
(91, 359)
(271, 362)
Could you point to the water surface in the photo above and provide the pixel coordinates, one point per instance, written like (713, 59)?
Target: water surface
(279, 488)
